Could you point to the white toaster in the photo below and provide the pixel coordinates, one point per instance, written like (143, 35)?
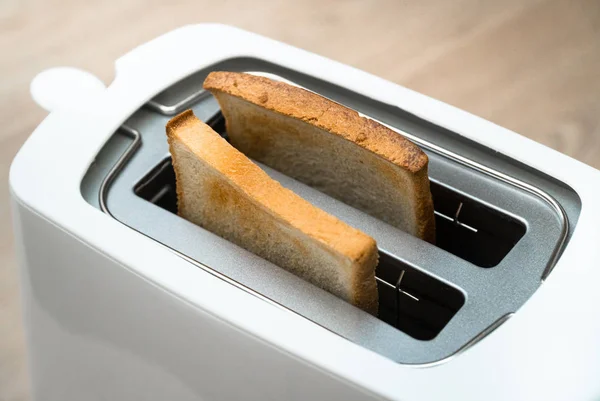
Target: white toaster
(124, 300)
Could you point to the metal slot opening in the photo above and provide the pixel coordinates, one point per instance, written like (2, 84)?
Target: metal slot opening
(471, 230)
(410, 300)
(158, 186)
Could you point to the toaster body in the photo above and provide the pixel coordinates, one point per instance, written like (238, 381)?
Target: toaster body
(123, 299)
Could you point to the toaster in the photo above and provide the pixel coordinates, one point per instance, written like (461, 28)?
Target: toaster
(125, 300)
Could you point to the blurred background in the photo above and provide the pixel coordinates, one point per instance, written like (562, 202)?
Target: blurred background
(532, 66)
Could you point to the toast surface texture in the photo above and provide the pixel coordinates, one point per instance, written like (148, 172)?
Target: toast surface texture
(329, 147)
(220, 189)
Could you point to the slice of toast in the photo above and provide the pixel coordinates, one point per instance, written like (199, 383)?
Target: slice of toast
(329, 147)
(223, 191)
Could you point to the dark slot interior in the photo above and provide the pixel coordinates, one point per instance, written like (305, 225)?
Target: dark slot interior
(412, 301)
(418, 305)
(158, 186)
(471, 230)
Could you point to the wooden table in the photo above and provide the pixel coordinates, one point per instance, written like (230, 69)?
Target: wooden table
(532, 66)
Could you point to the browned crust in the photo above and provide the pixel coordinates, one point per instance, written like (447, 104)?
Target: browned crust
(332, 117)
(360, 248)
(336, 119)
(364, 284)
(424, 205)
(172, 126)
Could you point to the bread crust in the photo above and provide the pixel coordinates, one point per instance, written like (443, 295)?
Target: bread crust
(311, 108)
(335, 235)
(332, 117)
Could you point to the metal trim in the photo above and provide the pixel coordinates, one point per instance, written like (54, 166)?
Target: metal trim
(179, 106)
(121, 162)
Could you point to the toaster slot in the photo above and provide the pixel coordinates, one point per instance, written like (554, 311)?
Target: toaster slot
(158, 187)
(412, 301)
(472, 231)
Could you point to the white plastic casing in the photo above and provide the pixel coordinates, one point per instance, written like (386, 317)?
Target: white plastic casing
(111, 314)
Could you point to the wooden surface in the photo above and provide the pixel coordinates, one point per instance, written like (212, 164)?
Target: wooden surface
(532, 66)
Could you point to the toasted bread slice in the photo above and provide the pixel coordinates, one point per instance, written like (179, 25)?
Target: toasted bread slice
(329, 147)
(223, 191)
